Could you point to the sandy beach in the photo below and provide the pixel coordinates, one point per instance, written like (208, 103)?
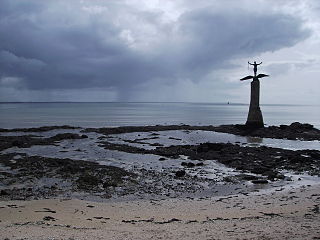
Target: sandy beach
(280, 214)
(159, 182)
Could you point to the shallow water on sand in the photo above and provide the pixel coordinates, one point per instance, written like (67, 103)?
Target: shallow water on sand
(177, 137)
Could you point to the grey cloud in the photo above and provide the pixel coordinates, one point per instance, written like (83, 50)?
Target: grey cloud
(218, 37)
(62, 49)
(277, 69)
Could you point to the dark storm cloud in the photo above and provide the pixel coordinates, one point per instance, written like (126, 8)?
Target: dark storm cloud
(58, 45)
(214, 38)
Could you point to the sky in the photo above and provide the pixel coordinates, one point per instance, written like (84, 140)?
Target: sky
(159, 50)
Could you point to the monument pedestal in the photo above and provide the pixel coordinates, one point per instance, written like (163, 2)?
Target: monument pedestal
(255, 119)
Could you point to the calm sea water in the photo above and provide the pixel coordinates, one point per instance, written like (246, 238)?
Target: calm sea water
(14, 115)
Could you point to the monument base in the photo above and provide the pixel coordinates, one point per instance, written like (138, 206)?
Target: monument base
(255, 119)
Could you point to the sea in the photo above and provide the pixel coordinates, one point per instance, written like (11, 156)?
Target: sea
(112, 114)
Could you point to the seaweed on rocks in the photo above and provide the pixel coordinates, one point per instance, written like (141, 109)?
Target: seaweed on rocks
(39, 177)
(26, 141)
(296, 130)
(30, 177)
(262, 160)
(26, 177)
(131, 129)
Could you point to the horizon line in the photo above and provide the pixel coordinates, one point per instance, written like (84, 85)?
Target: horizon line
(217, 103)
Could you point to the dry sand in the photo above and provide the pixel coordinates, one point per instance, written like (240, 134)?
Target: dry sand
(282, 214)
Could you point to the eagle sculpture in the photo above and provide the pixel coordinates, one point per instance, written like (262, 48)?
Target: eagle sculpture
(261, 75)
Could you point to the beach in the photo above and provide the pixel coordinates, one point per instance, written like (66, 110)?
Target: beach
(160, 182)
(279, 214)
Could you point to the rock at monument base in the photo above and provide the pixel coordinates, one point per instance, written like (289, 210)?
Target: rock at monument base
(254, 125)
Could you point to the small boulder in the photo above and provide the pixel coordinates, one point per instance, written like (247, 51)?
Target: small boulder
(17, 143)
(180, 173)
(283, 127)
(304, 126)
(260, 169)
(248, 177)
(260, 181)
(272, 175)
(4, 192)
(205, 147)
(188, 164)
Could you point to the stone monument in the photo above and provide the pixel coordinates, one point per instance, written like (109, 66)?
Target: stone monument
(255, 119)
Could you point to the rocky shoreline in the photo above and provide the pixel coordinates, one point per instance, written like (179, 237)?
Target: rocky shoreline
(33, 177)
(26, 177)
(263, 160)
(294, 131)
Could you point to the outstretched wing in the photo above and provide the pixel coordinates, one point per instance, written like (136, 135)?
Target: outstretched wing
(246, 78)
(261, 75)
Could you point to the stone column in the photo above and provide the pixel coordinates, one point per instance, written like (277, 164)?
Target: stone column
(255, 119)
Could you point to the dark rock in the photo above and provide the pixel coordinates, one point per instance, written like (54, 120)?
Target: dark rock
(88, 181)
(4, 192)
(272, 175)
(110, 183)
(296, 130)
(162, 159)
(260, 181)
(229, 179)
(247, 177)
(17, 143)
(205, 147)
(63, 136)
(39, 129)
(260, 170)
(297, 125)
(180, 173)
(283, 127)
(84, 136)
(188, 164)
(251, 126)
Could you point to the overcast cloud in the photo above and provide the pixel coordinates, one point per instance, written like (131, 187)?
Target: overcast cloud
(151, 50)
